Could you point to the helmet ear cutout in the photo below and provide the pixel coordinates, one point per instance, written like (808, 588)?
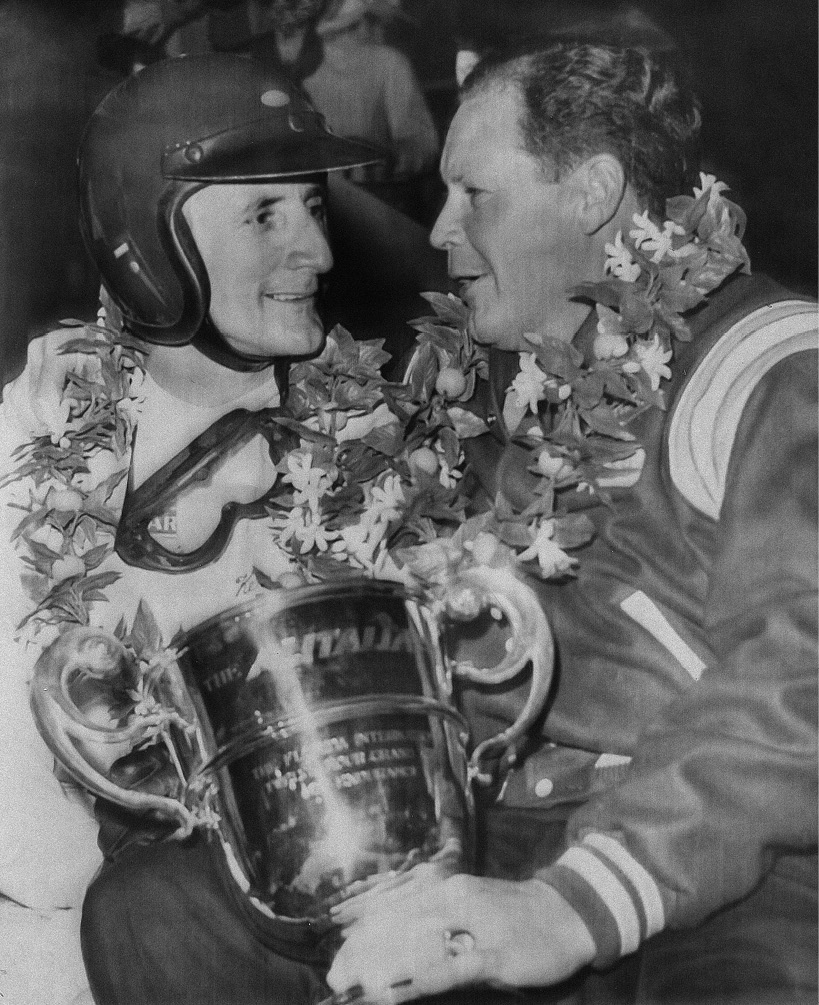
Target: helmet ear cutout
(183, 255)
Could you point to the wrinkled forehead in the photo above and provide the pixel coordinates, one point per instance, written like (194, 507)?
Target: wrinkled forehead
(485, 131)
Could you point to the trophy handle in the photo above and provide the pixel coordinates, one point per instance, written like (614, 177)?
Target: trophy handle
(78, 697)
(531, 641)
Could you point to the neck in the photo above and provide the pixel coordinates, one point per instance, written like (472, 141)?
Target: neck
(590, 267)
(187, 375)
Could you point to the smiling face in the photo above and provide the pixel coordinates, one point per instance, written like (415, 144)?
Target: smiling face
(511, 231)
(264, 246)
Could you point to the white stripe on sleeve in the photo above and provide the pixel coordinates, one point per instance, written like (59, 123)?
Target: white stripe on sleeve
(642, 880)
(610, 890)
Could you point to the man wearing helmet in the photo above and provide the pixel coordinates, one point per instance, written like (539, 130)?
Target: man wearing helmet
(202, 184)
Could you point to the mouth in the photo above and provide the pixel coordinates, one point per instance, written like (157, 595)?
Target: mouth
(466, 282)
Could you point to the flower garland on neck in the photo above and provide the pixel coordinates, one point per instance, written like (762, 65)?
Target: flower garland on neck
(389, 503)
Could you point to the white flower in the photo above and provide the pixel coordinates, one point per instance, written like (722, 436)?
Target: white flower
(447, 476)
(710, 181)
(358, 543)
(310, 483)
(305, 525)
(645, 229)
(648, 236)
(386, 500)
(529, 385)
(553, 561)
(620, 263)
(315, 535)
(652, 358)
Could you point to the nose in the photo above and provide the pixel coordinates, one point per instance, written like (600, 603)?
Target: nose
(446, 232)
(309, 247)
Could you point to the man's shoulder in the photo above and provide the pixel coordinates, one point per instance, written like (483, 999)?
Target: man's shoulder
(740, 296)
(760, 327)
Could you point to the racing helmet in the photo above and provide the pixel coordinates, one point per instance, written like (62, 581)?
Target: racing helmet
(160, 136)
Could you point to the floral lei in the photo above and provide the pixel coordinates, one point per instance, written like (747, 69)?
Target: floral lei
(389, 504)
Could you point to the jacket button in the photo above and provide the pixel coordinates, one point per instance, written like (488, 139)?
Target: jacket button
(544, 787)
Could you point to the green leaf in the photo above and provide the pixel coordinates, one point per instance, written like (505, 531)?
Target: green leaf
(603, 420)
(559, 358)
(636, 311)
(96, 556)
(573, 530)
(607, 293)
(145, 631)
(388, 439)
(589, 390)
(449, 307)
(451, 446)
(466, 423)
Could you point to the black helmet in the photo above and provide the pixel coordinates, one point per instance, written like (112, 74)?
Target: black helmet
(160, 136)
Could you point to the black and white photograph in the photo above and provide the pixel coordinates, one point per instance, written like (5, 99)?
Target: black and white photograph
(408, 502)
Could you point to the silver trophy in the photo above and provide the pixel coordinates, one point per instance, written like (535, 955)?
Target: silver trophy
(313, 730)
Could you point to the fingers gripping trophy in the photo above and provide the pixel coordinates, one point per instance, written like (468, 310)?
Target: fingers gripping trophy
(312, 729)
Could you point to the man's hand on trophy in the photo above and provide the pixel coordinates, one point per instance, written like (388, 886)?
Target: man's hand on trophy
(365, 896)
(419, 940)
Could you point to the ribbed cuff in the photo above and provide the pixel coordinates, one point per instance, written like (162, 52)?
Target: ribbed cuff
(614, 895)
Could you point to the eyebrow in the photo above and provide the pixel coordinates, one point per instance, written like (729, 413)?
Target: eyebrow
(261, 202)
(265, 201)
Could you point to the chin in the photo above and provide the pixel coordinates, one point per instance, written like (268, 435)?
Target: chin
(498, 334)
(289, 342)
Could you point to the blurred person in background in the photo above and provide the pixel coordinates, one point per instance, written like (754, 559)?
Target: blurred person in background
(334, 50)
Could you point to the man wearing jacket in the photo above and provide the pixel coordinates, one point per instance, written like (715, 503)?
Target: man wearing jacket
(680, 745)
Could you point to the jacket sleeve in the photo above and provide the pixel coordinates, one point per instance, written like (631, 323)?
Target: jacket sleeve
(726, 779)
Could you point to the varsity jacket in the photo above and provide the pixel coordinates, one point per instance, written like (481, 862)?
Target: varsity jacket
(683, 720)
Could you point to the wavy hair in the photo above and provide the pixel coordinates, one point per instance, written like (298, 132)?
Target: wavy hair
(581, 99)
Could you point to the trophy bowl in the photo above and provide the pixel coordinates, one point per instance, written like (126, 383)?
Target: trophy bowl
(334, 753)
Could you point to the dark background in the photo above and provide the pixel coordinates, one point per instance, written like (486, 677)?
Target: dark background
(754, 65)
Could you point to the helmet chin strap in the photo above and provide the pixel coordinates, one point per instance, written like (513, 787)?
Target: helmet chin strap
(210, 343)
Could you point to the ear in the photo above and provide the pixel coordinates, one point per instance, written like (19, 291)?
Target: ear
(600, 185)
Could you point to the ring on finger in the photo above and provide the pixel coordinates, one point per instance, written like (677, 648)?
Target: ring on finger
(458, 941)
